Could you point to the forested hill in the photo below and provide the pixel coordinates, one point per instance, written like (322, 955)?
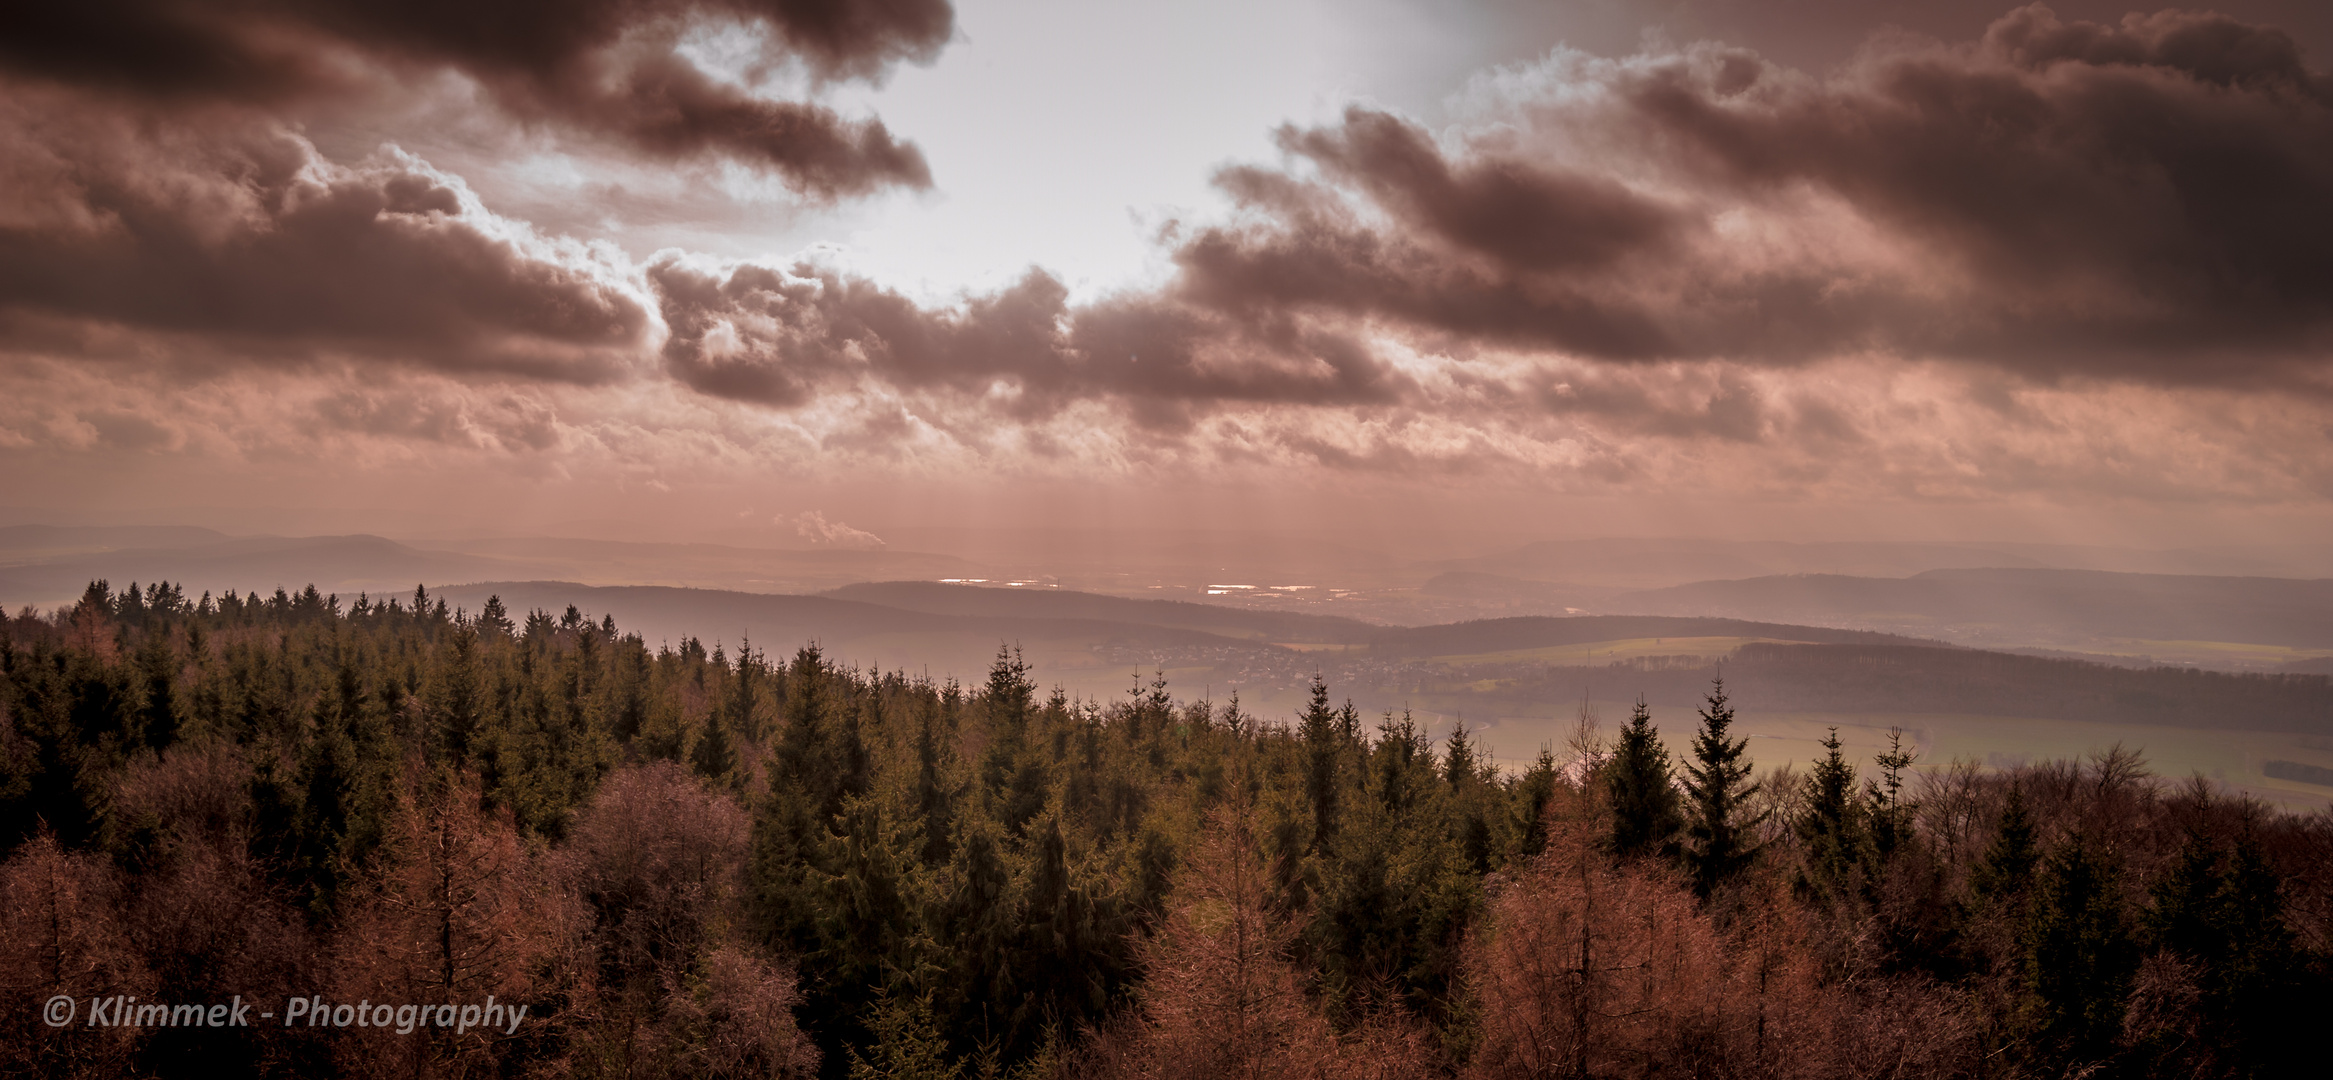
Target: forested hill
(1540, 631)
(689, 861)
(950, 629)
(670, 614)
(1884, 679)
(2075, 603)
(22, 541)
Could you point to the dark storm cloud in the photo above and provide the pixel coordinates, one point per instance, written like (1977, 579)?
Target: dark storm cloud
(1313, 253)
(781, 337)
(607, 68)
(2142, 200)
(242, 245)
(1520, 214)
(1810, 35)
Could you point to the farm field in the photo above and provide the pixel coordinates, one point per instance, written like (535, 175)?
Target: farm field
(2238, 655)
(1605, 652)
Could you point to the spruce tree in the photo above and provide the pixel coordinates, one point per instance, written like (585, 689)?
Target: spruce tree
(1458, 756)
(2251, 994)
(2222, 913)
(1464, 770)
(1529, 804)
(1643, 789)
(2007, 867)
(1319, 727)
(1717, 787)
(934, 793)
(494, 619)
(1831, 826)
(1891, 821)
(457, 697)
(713, 758)
(1013, 769)
(157, 666)
(328, 781)
(2079, 955)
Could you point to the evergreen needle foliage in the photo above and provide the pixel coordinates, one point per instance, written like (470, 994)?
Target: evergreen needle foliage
(1645, 807)
(1718, 788)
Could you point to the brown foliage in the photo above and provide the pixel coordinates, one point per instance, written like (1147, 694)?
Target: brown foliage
(740, 1019)
(659, 861)
(62, 936)
(661, 858)
(461, 911)
(1585, 967)
(204, 911)
(1590, 969)
(1221, 997)
(90, 629)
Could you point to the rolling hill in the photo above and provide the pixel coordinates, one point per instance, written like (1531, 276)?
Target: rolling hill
(337, 564)
(961, 645)
(1535, 632)
(2023, 606)
(1239, 623)
(1645, 563)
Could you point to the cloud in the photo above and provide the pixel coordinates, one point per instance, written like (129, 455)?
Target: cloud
(125, 238)
(609, 69)
(784, 336)
(2057, 200)
(1999, 268)
(73, 433)
(812, 526)
(2132, 201)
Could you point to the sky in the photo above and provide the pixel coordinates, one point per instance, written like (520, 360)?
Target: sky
(1408, 272)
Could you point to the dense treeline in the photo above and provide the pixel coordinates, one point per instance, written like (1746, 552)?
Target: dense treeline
(693, 862)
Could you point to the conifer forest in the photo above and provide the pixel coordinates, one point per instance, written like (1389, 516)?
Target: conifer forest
(753, 860)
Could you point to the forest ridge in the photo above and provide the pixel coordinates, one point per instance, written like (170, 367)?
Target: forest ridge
(697, 863)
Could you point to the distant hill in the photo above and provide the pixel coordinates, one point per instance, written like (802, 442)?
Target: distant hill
(946, 599)
(1499, 590)
(1918, 680)
(52, 565)
(2032, 603)
(1659, 563)
(782, 621)
(17, 541)
(1091, 643)
(716, 566)
(1069, 549)
(337, 564)
(1540, 631)
(855, 632)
